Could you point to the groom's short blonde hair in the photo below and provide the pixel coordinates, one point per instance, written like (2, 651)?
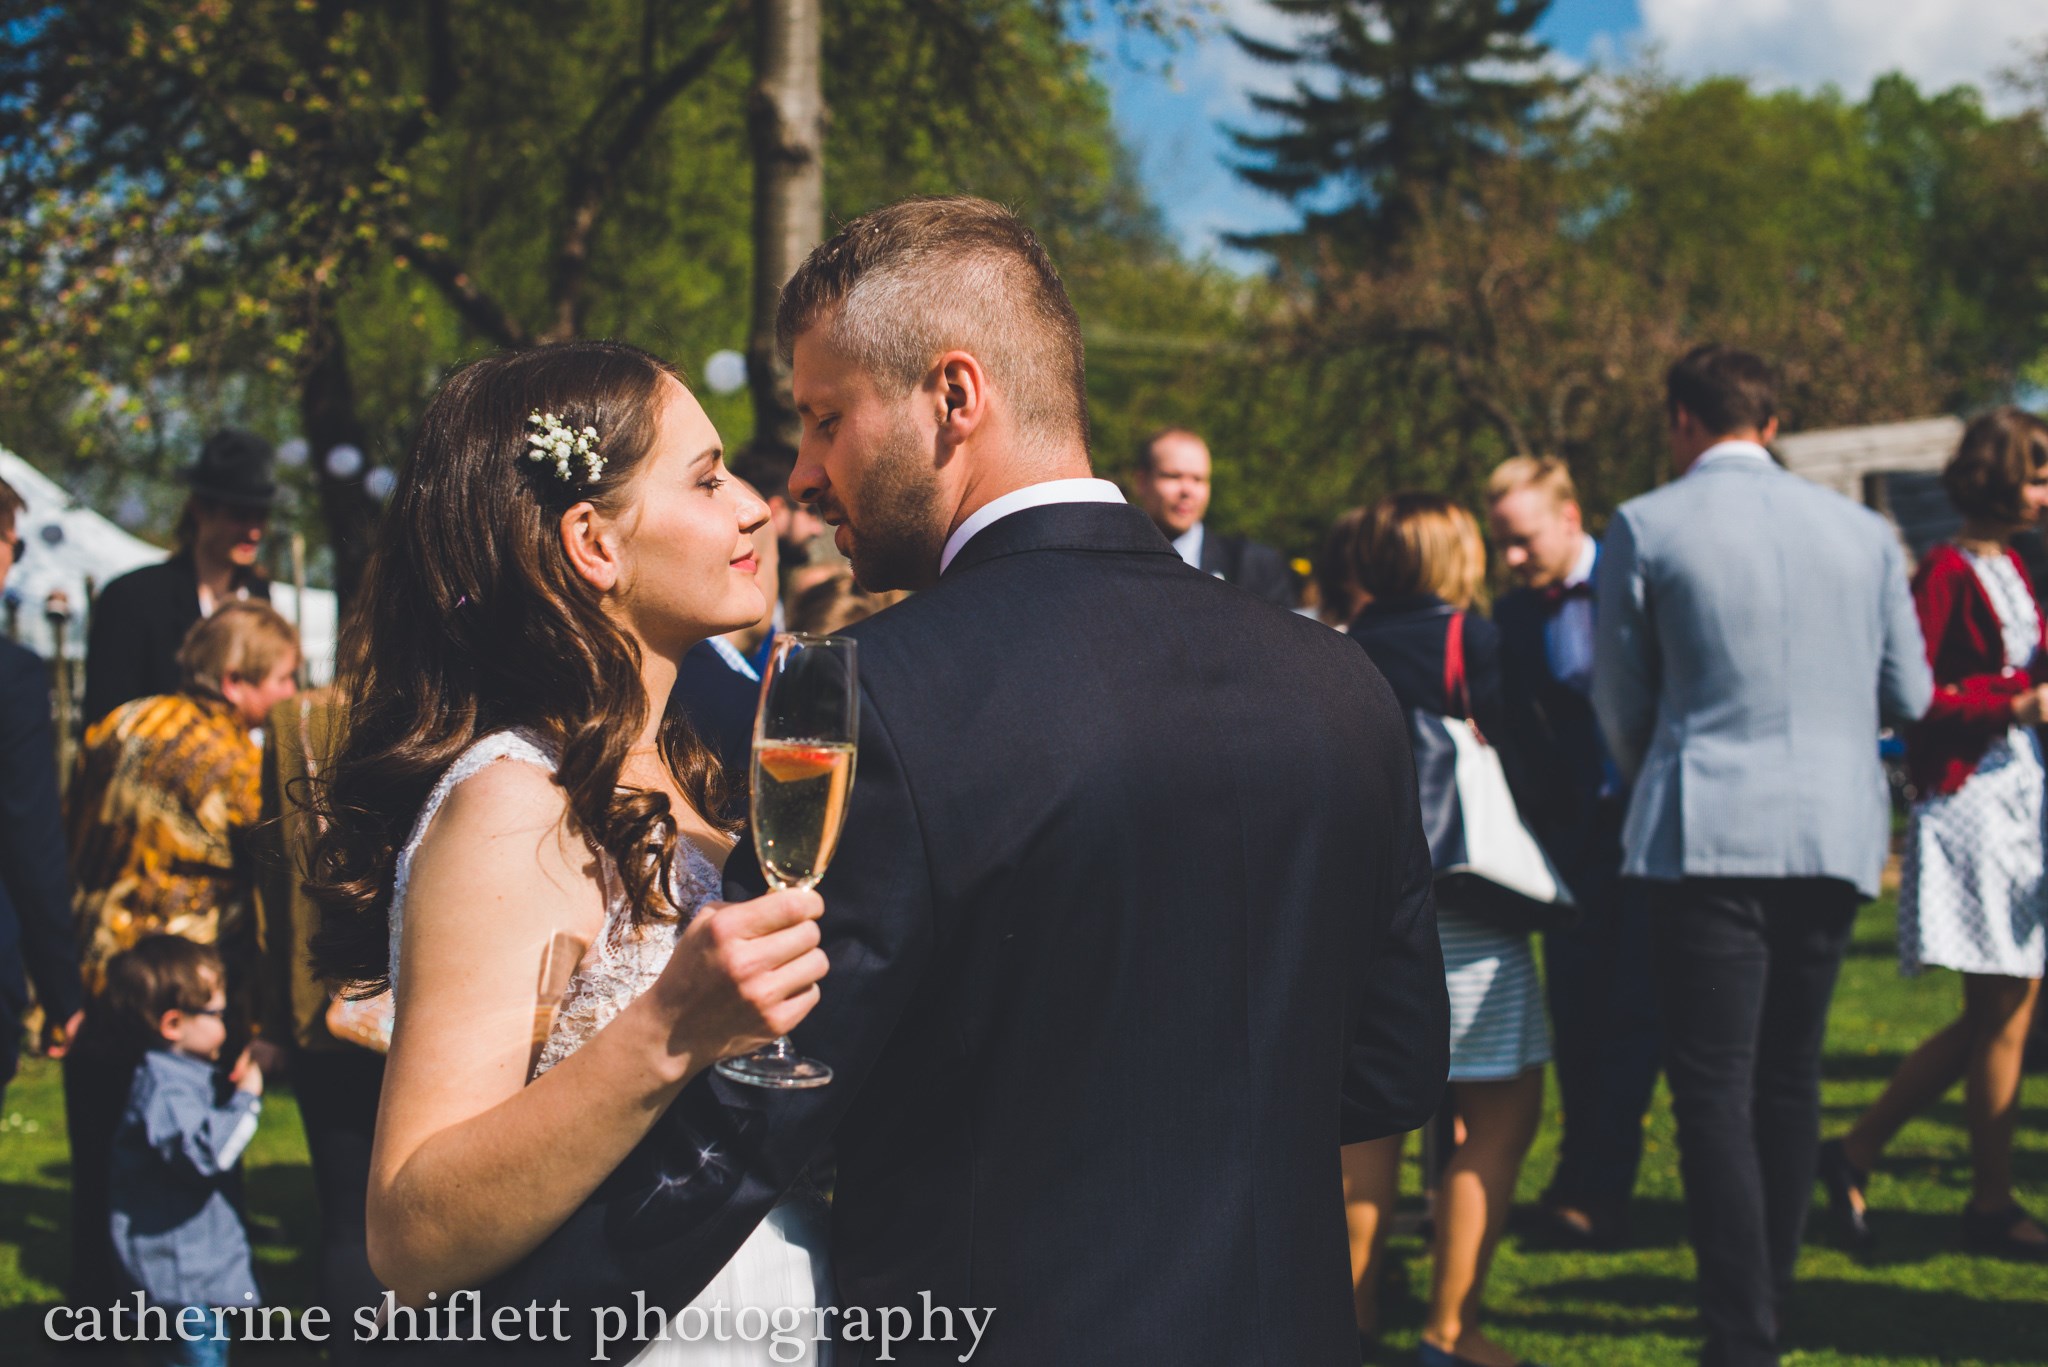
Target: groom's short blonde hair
(902, 285)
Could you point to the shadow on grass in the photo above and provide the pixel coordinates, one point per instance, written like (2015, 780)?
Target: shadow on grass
(37, 1220)
(1886, 1320)
(1860, 1067)
(1652, 1224)
(1857, 1319)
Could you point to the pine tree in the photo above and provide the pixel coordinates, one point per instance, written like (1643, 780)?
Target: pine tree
(1393, 99)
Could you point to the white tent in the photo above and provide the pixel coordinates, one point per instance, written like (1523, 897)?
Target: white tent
(68, 543)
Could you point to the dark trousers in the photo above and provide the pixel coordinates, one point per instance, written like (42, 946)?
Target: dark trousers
(1747, 967)
(95, 1095)
(337, 1093)
(1602, 993)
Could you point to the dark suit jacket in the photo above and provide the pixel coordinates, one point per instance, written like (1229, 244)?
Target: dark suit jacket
(1251, 565)
(1557, 760)
(719, 702)
(1405, 638)
(1130, 930)
(35, 890)
(138, 623)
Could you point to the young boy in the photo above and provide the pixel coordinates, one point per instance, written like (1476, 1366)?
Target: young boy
(176, 1235)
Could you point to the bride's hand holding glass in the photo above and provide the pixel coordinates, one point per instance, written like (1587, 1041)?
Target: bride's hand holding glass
(743, 974)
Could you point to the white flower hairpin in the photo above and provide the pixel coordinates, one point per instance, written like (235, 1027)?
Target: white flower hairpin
(562, 444)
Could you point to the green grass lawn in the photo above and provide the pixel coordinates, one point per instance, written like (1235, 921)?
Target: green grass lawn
(1920, 1301)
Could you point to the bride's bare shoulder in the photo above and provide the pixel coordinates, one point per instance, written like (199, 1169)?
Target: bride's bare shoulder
(501, 846)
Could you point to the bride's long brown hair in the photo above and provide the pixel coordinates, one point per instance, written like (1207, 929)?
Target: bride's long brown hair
(471, 620)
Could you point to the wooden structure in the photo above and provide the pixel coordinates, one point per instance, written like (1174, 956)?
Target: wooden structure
(1894, 467)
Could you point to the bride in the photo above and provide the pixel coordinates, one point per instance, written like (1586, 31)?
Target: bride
(520, 838)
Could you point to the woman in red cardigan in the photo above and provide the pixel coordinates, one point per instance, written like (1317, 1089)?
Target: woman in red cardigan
(1973, 893)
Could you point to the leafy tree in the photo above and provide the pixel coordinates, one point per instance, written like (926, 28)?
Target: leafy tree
(298, 213)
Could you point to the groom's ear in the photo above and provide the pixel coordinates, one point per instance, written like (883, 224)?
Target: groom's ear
(589, 542)
(963, 395)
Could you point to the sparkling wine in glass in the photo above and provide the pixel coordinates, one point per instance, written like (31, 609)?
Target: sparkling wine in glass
(804, 738)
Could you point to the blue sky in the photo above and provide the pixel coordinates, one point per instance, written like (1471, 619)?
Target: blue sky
(1169, 103)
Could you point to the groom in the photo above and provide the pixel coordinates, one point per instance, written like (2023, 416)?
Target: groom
(1130, 925)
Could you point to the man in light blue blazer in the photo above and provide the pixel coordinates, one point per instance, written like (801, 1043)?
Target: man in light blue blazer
(1754, 629)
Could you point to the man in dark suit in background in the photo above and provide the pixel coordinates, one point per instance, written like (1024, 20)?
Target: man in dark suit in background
(1130, 924)
(1172, 484)
(140, 619)
(1599, 980)
(35, 891)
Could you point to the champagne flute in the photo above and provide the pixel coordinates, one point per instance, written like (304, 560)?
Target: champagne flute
(804, 737)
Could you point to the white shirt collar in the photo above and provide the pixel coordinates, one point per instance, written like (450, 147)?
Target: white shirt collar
(1189, 544)
(1030, 496)
(1728, 450)
(735, 661)
(1582, 568)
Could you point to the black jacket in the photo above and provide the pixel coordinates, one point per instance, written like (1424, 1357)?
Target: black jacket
(1251, 565)
(1560, 762)
(1130, 930)
(1405, 638)
(138, 623)
(35, 890)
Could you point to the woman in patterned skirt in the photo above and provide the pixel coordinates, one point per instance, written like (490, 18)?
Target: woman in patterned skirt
(1974, 890)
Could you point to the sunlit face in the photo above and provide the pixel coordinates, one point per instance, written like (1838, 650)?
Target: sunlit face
(1174, 488)
(225, 532)
(1539, 535)
(767, 545)
(253, 699)
(687, 559)
(868, 465)
(200, 1034)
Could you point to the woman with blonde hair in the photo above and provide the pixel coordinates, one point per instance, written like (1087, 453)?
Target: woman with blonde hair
(1423, 563)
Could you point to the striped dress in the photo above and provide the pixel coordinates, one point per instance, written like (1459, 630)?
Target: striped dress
(1498, 1029)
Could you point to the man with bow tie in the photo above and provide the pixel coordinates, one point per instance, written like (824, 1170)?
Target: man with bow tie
(1602, 1003)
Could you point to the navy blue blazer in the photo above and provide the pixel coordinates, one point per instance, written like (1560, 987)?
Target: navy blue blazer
(1131, 928)
(35, 892)
(718, 701)
(1405, 638)
(1557, 760)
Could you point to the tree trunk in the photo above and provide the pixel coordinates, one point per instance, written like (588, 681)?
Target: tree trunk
(327, 410)
(786, 126)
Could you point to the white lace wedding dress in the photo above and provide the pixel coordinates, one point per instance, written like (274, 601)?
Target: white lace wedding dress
(784, 1262)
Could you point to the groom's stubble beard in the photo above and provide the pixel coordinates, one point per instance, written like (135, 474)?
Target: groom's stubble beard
(902, 529)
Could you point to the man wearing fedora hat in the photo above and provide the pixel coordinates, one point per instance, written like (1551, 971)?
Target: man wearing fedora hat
(141, 618)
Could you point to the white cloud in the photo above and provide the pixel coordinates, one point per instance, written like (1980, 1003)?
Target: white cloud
(1808, 43)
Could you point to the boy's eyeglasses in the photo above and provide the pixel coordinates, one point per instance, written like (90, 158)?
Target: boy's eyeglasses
(214, 1011)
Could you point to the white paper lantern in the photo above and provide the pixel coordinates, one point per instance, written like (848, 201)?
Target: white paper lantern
(345, 461)
(293, 452)
(379, 483)
(725, 372)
